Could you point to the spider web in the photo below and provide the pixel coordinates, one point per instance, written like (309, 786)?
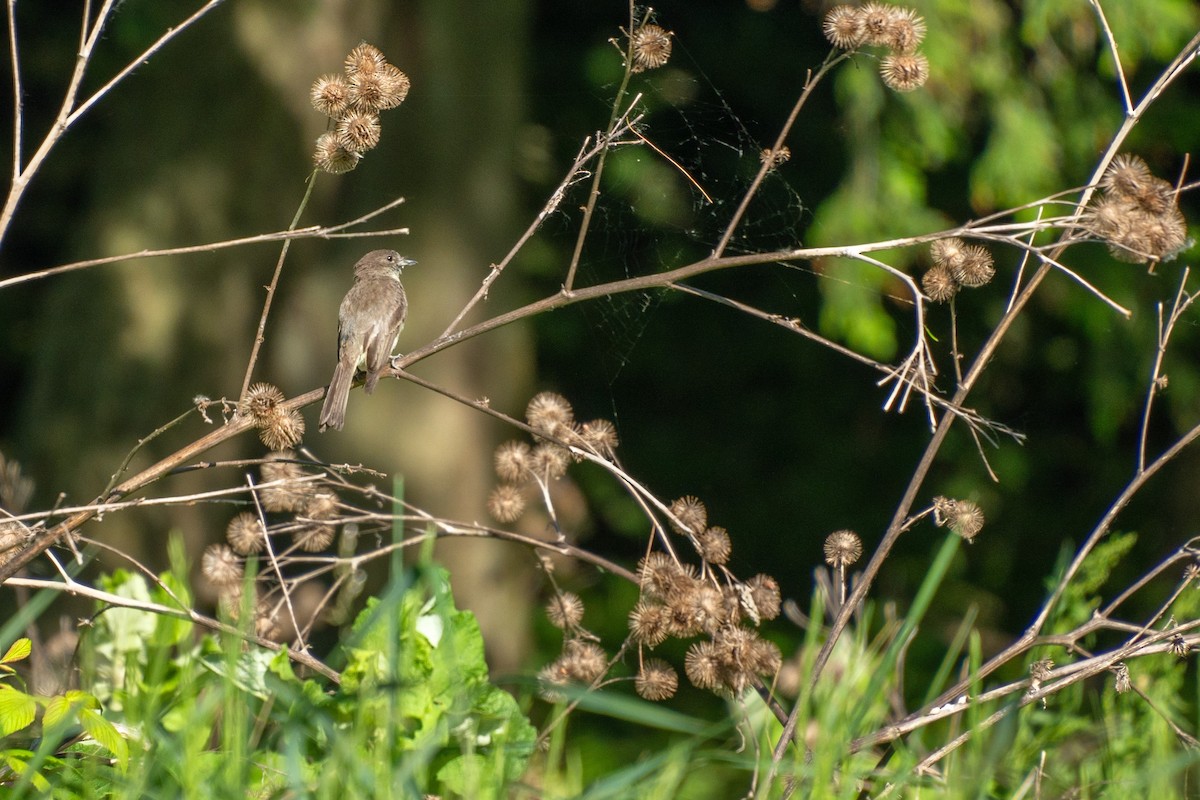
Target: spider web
(666, 203)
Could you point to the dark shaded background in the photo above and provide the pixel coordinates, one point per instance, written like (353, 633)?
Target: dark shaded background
(785, 441)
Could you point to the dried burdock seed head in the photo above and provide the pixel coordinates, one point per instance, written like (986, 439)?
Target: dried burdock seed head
(600, 436)
(976, 268)
(221, 566)
(1127, 176)
(329, 155)
(939, 284)
(358, 132)
(707, 606)
(948, 252)
(766, 657)
(649, 623)
(261, 403)
(321, 505)
(245, 534)
(365, 59)
(904, 72)
(844, 27)
(564, 610)
(512, 461)
(842, 548)
(285, 498)
(963, 517)
(551, 414)
(284, 429)
(691, 514)
(584, 661)
(651, 47)
(331, 95)
(764, 592)
(713, 545)
(656, 680)
(506, 503)
(658, 574)
(775, 157)
(905, 30)
(702, 665)
(549, 461)
(876, 22)
(314, 538)
(552, 679)
(394, 86)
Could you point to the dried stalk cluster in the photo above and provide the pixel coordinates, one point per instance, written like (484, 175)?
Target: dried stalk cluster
(352, 100)
(309, 510)
(1137, 214)
(898, 30)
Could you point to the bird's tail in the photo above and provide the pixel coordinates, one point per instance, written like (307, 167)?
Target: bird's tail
(333, 412)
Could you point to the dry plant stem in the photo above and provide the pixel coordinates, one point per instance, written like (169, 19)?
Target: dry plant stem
(260, 336)
(810, 82)
(1185, 57)
(1112, 45)
(310, 232)
(142, 443)
(270, 549)
(586, 154)
(18, 101)
(69, 113)
(70, 586)
(605, 138)
(1183, 300)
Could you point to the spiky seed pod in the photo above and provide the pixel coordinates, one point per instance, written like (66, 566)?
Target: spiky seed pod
(329, 155)
(775, 157)
(1127, 176)
(843, 27)
(713, 545)
(651, 46)
(656, 680)
(905, 30)
(649, 623)
(1179, 646)
(512, 461)
(245, 534)
(765, 657)
(221, 566)
(330, 95)
(549, 461)
(691, 514)
(550, 413)
(657, 574)
(321, 505)
(600, 436)
(708, 608)
(876, 21)
(552, 679)
(904, 72)
(842, 548)
(685, 617)
(284, 429)
(358, 131)
(584, 661)
(939, 284)
(564, 610)
(314, 538)
(977, 268)
(365, 59)
(948, 252)
(764, 591)
(702, 665)
(393, 87)
(963, 517)
(506, 503)
(261, 403)
(286, 498)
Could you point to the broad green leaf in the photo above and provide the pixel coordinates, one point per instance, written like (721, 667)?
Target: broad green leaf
(17, 710)
(18, 651)
(105, 734)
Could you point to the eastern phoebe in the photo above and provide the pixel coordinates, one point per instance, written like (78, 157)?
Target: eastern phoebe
(369, 323)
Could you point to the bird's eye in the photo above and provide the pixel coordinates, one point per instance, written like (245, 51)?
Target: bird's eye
(391, 258)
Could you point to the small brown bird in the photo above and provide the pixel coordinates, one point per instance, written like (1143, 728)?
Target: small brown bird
(369, 323)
